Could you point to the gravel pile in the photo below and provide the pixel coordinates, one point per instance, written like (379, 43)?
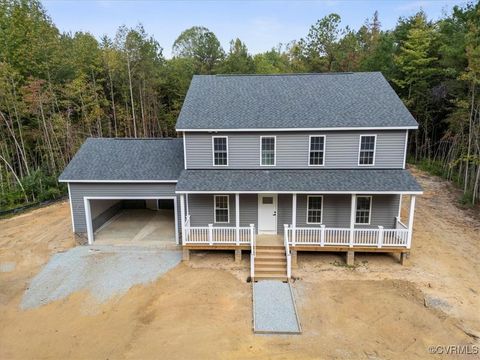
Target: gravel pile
(105, 271)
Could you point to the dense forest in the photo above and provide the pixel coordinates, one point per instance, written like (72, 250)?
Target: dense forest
(57, 88)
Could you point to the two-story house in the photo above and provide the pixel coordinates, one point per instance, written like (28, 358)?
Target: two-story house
(273, 164)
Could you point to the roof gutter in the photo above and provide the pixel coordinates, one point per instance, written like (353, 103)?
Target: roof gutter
(400, 192)
(119, 181)
(303, 129)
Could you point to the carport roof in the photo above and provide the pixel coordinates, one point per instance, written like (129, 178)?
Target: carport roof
(126, 159)
(307, 181)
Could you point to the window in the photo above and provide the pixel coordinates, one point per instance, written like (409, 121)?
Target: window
(366, 154)
(267, 146)
(317, 150)
(221, 209)
(314, 209)
(267, 200)
(364, 208)
(220, 150)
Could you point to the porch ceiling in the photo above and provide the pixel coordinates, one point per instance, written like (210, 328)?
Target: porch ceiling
(298, 181)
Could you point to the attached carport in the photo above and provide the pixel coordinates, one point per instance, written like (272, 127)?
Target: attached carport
(123, 190)
(130, 219)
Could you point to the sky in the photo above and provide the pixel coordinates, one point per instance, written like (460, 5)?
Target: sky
(260, 24)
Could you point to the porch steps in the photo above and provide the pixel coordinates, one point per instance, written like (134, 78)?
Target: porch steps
(270, 263)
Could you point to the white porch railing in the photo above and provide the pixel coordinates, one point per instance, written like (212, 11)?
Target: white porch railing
(217, 235)
(323, 236)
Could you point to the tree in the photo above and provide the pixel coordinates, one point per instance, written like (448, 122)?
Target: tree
(201, 45)
(321, 43)
(238, 60)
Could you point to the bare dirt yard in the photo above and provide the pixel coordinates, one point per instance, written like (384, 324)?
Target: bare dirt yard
(202, 310)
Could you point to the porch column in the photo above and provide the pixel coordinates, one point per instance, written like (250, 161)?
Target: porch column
(411, 213)
(237, 218)
(294, 218)
(182, 216)
(352, 219)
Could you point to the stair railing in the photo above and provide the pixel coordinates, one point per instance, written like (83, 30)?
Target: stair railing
(253, 251)
(287, 251)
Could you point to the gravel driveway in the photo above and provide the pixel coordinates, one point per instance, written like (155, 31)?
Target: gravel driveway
(105, 271)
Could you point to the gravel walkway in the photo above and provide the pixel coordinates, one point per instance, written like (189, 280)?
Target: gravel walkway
(274, 308)
(105, 271)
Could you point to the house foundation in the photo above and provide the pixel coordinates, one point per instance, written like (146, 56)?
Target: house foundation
(238, 256)
(294, 259)
(186, 254)
(404, 258)
(350, 258)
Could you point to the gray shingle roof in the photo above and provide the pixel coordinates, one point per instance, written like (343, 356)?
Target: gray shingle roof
(126, 159)
(329, 100)
(361, 180)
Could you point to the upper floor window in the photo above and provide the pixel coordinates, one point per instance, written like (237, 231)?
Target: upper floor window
(317, 150)
(314, 209)
(267, 150)
(220, 150)
(222, 209)
(364, 210)
(366, 155)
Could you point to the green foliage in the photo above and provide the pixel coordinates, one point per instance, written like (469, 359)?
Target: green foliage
(39, 187)
(201, 45)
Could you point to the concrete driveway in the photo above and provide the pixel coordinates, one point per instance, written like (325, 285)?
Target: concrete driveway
(140, 226)
(106, 271)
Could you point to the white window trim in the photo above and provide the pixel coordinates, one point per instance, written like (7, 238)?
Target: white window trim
(215, 209)
(310, 149)
(369, 211)
(321, 210)
(274, 150)
(213, 149)
(374, 149)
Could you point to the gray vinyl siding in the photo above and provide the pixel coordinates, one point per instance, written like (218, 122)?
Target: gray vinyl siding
(80, 190)
(336, 210)
(284, 211)
(292, 149)
(248, 209)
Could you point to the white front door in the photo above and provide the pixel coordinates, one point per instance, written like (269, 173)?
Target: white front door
(267, 213)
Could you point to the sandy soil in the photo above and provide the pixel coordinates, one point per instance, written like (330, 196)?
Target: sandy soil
(375, 310)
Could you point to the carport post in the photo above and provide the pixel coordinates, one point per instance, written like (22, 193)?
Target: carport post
(88, 219)
(182, 216)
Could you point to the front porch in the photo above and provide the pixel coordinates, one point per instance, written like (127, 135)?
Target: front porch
(385, 231)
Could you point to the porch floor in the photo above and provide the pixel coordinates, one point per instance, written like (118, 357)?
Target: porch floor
(269, 240)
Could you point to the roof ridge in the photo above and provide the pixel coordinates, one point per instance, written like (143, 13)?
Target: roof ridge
(297, 74)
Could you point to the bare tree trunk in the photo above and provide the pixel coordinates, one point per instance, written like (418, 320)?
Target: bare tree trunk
(19, 125)
(16, 177)
(113, 102)
(143, 112)
(470, 124)
(47, 137)
(131, 96)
